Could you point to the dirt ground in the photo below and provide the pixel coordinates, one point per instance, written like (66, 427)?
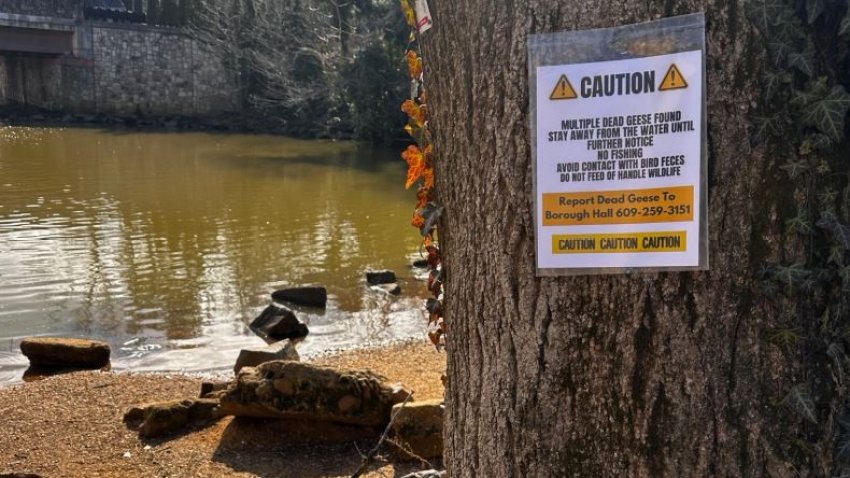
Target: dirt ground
(71, 426)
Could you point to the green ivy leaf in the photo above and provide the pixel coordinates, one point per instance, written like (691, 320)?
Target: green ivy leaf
(804, 61)
(828, 113)
(795, 168)
(800, 400)
(431, 212)
(844, 28)
(764, 128)
(764, 13)
(773, 81)
(840, 232)
(814, 9)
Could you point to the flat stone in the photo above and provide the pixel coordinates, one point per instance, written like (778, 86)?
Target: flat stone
(380, 277)
(278, 323)
(165, 418)
(301, 391)
(418, 427)
(251, 357)
(65, 352)
(308, 296)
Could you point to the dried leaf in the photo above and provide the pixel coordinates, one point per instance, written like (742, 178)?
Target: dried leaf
(409, 13)
(415, 112)
(428, 178)
(414, 65)
(417, 162)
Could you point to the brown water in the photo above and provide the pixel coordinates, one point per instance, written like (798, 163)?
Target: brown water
(168, 244)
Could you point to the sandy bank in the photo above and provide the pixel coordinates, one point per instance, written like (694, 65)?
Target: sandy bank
(70, 426)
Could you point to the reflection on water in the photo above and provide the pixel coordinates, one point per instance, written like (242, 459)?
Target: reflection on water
(167, 245)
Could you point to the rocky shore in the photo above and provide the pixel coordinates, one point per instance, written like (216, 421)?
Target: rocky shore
(72, 425)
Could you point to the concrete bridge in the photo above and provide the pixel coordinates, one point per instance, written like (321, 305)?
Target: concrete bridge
(37, 35)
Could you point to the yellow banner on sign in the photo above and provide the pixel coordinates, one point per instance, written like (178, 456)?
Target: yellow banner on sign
(632, 206)
(666, 241)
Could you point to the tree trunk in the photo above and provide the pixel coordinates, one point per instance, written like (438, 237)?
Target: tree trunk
(647, 375)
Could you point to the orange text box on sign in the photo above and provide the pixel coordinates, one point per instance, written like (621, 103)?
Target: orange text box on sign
(665, 241)
(632, 206)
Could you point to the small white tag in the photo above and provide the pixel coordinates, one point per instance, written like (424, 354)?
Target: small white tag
(423, 16)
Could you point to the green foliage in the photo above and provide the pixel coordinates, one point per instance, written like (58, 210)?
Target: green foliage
(799, 399)
(311, 68)
(374, 87)
(802, 122)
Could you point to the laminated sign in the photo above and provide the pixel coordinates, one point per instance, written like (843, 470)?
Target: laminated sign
(618, 134)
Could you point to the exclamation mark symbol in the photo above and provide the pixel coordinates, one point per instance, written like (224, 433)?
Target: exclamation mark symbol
(563, 90)
(673, 80)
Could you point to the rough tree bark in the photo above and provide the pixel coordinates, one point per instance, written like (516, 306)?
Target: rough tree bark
(649, 375)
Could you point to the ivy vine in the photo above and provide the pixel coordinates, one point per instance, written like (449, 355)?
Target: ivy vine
(420, 170)
(802, 123)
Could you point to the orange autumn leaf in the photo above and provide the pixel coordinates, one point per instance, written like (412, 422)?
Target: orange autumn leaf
(418, 221)
(423, 197)
(415, 164)
(414, 65)
(409, 13)
(428, 178)
(416, 112)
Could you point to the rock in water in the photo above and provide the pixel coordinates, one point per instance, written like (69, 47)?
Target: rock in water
(380, 277)
(420, 263)
(300, 391)
(283, 350)
(278, 323)
(66, 353)
(309, 296)
(418, 427)
(391, 289)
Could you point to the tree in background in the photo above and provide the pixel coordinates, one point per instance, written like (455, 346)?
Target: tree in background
(307, 67)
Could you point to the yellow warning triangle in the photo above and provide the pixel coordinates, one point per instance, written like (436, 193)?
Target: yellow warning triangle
(673, 80)
(563, 90)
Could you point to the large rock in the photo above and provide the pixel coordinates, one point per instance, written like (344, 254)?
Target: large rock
(309, 296)
(164, 418)
(66, 353)
(278, 323)
(283, 350)
(300, 391)
(418, 427)
(380, 277)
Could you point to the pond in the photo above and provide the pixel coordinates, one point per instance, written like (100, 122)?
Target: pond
(167, 245)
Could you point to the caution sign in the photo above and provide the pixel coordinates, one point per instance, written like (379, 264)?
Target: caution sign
(673, 80)
(563, 90)
(619, 179)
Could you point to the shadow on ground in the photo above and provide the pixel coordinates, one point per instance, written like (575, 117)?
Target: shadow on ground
(274, 448)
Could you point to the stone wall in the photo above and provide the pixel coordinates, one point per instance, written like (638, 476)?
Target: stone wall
(45, 8)
(122, 69)
(158, 71)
